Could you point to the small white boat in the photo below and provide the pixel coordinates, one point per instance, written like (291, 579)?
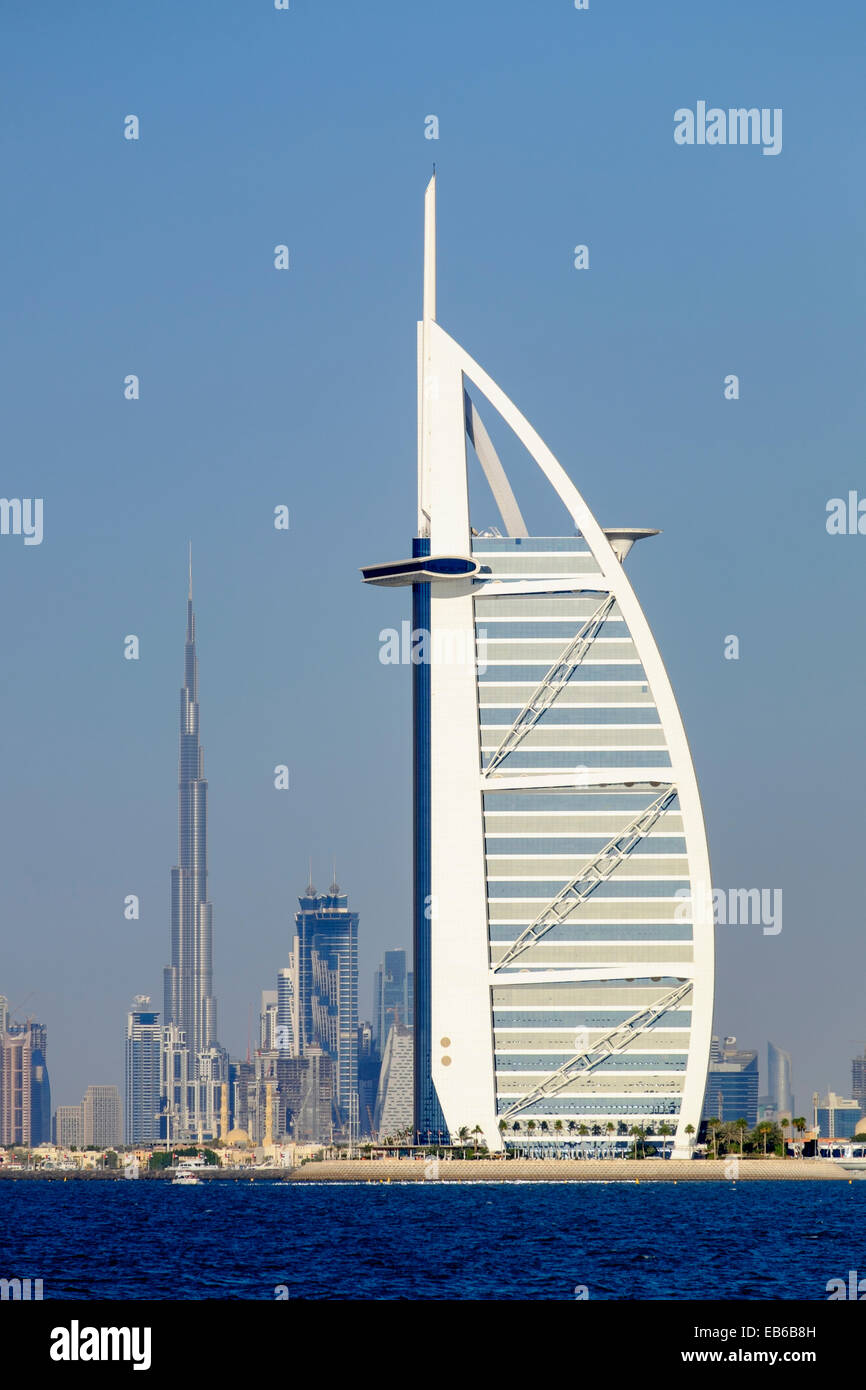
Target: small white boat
(185, 1173)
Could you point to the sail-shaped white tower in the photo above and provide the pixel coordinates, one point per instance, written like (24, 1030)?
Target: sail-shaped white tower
(563, 913)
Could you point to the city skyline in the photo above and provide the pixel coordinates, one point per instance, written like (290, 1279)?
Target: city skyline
(236, 415)
(189, 1001)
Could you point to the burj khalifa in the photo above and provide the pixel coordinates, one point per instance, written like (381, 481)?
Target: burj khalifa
(188, 981)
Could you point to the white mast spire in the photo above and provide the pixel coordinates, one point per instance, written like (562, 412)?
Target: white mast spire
(425, 384)
(430, 249)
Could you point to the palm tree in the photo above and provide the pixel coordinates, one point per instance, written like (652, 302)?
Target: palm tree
(783, 1125)
(665, 1131)
(690, 1129)
(639, 1134)
(463, 1136)
(476, 1131)
(741, 1126)
(713, 1131)
(800, 1125)
(728, 1135)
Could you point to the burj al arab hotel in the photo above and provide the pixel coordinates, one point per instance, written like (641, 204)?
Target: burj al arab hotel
(563, 923)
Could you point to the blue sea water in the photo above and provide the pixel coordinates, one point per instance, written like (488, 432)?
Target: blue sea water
(491, 1241)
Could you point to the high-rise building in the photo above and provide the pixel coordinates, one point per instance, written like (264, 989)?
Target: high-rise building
(395, 1097)
(102, 1117)
(858, 1080)
(143, 1058)
(326, 955)
(176, 1084)
(190, 1006)
(563, 916)
(40, 1086)
(268, 1021)
(779, 1075)
(189, 999)
(392, 994)
(287, 1013)
(15, 1086)
(25, 1089)
(369, 1065)
(308, 1086)
(4, 1013)
(732, 1085)
(68, 1127)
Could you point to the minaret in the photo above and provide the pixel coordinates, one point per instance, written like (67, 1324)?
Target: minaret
(189, 1000)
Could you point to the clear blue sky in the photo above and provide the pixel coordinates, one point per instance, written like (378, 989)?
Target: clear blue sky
(306, 127)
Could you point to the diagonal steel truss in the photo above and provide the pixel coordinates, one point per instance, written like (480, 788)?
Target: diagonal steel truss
(556, 679)
(608, 1045)
(597, 871)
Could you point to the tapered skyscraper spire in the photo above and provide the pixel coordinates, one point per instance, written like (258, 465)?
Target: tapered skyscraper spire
(189, 1000)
